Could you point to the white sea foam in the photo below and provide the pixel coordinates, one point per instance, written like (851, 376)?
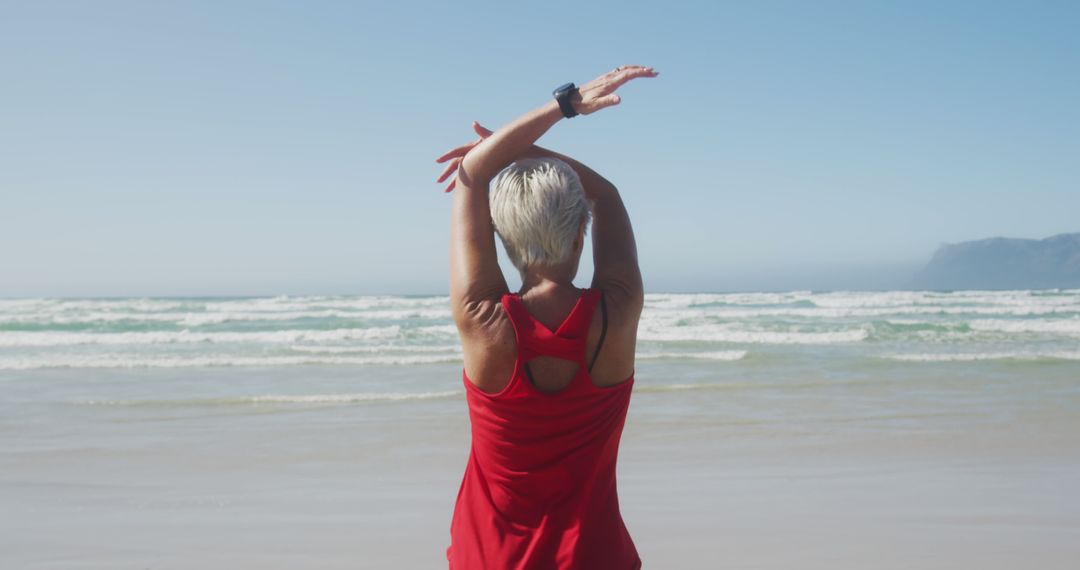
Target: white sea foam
(897, 298)
(738, 313)
(723, 333)
(199, 318)
(714, 355)
(663, 301)
(679, 387)
(351, 398)
(971, 357)
(1067, 327)
(436, 331)
(285, 331)
(277, 304)
(129, 305)
(27, 339)
(138, 361)
(374, 349)
(307, 399)
(848, 300)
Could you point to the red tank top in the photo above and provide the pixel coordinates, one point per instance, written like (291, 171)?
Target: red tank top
(539, 487)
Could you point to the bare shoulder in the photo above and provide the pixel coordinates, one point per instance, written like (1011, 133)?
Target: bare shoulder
(488, 345)
(624, 305)
(615, 361)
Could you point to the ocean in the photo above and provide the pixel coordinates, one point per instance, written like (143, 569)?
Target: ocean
(331, 431)
(1032, 327)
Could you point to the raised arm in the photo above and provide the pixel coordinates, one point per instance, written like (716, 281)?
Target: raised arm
(476, 281)
(475, 277)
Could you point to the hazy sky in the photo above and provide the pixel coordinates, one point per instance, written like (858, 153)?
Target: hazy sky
(287, 147)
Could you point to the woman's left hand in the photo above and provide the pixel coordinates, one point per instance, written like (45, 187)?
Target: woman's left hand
(456, 155)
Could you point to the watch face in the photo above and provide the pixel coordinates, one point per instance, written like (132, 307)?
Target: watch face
(563, 89)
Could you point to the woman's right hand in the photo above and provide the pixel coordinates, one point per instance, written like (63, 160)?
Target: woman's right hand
(600, 92)
(456, 155)
(591, 97)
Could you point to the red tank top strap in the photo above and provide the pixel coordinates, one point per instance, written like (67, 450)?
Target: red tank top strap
(567, 341)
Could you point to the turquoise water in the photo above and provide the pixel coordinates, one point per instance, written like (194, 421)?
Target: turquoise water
(1029, 327)
(854, 355)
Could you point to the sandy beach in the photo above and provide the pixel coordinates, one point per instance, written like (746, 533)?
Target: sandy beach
(816, 476)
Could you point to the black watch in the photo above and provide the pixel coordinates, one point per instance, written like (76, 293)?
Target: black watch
(562, 94)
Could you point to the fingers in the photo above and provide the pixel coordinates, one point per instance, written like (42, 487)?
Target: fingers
(632, 72)
(457, 154)
(450, 168)
(465, 148)
(609, 100)
(623, 68)
(458, 151)
(612, 80)
(483, 132)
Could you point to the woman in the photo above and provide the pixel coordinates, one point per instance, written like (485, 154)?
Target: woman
(549, 369)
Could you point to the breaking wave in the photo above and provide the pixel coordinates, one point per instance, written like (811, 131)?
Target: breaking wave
(302, 399)
(710, 328)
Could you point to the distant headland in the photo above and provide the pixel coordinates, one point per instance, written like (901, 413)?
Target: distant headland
(1004, 263)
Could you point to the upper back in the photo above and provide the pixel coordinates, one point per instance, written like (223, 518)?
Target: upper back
(491, 345)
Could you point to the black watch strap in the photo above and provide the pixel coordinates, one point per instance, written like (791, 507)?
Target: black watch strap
(563, 94)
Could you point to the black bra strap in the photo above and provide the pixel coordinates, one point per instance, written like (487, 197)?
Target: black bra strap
(603, 331)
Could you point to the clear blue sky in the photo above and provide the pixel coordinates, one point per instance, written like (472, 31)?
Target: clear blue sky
(287, 147)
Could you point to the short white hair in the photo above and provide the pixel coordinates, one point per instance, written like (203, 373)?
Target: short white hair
(537, 205)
